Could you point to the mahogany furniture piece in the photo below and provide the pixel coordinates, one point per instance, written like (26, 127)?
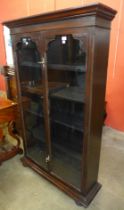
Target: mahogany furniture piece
(61, 65)
(11, 91)
(9, 76)
(8, 115)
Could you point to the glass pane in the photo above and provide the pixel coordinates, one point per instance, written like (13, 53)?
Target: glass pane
(66, 66)
(30, 74)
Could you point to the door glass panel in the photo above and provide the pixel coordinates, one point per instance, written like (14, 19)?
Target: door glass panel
(66, 68)
(30, 74)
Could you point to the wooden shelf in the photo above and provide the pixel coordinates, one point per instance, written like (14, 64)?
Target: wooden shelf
(34, 113)
(69, 121)
(67, 67)
(64, 67)
(75, 94)
(30, 64)
(39, 89)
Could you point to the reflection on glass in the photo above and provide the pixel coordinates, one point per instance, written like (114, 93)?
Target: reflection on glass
(66, 71)
(66, 64)
(32, 99)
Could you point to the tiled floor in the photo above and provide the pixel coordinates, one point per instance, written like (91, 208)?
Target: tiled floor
(23, 189)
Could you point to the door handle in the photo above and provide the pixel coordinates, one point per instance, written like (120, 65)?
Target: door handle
(43, 61)
(47, 160)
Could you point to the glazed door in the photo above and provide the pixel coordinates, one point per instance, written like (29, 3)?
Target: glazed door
(66, 59)
(32, 91)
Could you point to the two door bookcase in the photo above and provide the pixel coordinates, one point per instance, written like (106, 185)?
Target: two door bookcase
(61, 65)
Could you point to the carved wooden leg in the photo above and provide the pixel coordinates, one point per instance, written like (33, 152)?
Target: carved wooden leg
(15, 136)
(8, 150)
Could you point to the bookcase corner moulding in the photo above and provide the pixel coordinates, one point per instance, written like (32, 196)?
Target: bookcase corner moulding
(60, 63)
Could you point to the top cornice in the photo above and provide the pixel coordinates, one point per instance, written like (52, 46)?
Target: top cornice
(96, 9)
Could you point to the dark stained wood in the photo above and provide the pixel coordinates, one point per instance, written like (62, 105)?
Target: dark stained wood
(92, 24)
(69, 190)
(97, 9)
(81, 22)
(46, 105)
(95, 96)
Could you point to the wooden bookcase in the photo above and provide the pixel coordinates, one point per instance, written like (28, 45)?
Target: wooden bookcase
(61, 66)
